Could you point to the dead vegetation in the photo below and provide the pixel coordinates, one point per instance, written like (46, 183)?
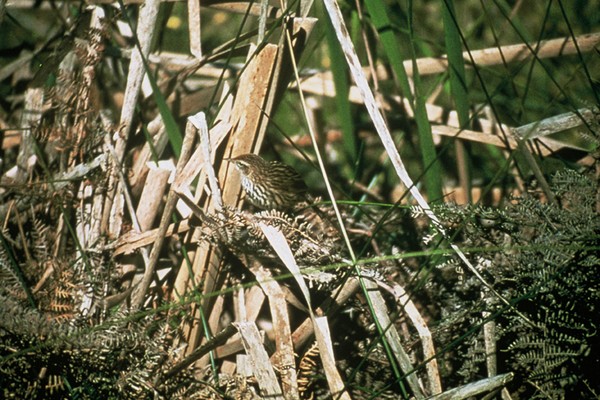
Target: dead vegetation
(131, 268)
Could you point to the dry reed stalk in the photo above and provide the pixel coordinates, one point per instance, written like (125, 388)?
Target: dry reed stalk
(246, 116)
(262, 369)
(510, 53)
(151, 197)
(284, 355)
(112, 218)
(433, 373)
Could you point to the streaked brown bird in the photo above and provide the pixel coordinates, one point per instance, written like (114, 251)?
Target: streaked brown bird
(270, 184)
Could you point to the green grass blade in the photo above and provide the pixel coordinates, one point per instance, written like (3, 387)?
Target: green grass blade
(171, 127)
(342, 90)
(382, 22)
(458, 85)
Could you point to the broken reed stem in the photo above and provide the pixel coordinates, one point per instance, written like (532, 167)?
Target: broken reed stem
(207, 148)
(140, 292)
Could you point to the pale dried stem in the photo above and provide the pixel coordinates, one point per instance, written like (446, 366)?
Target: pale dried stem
(388, 329)
(26, 159)
(131, 241)
(152, 194)
(320, 324)
(139, 294)
(208, 155)
(435, 383)
(262, 368)
(194, 27)
(284, 356)
(245, 117)
(489, 339)
(509, 54)
(113, 208)
(156, 130)
(475, 388)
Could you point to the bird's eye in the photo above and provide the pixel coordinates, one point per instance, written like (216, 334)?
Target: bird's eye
(243, 166)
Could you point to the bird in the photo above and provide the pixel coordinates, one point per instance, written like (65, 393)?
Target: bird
(270, 185)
